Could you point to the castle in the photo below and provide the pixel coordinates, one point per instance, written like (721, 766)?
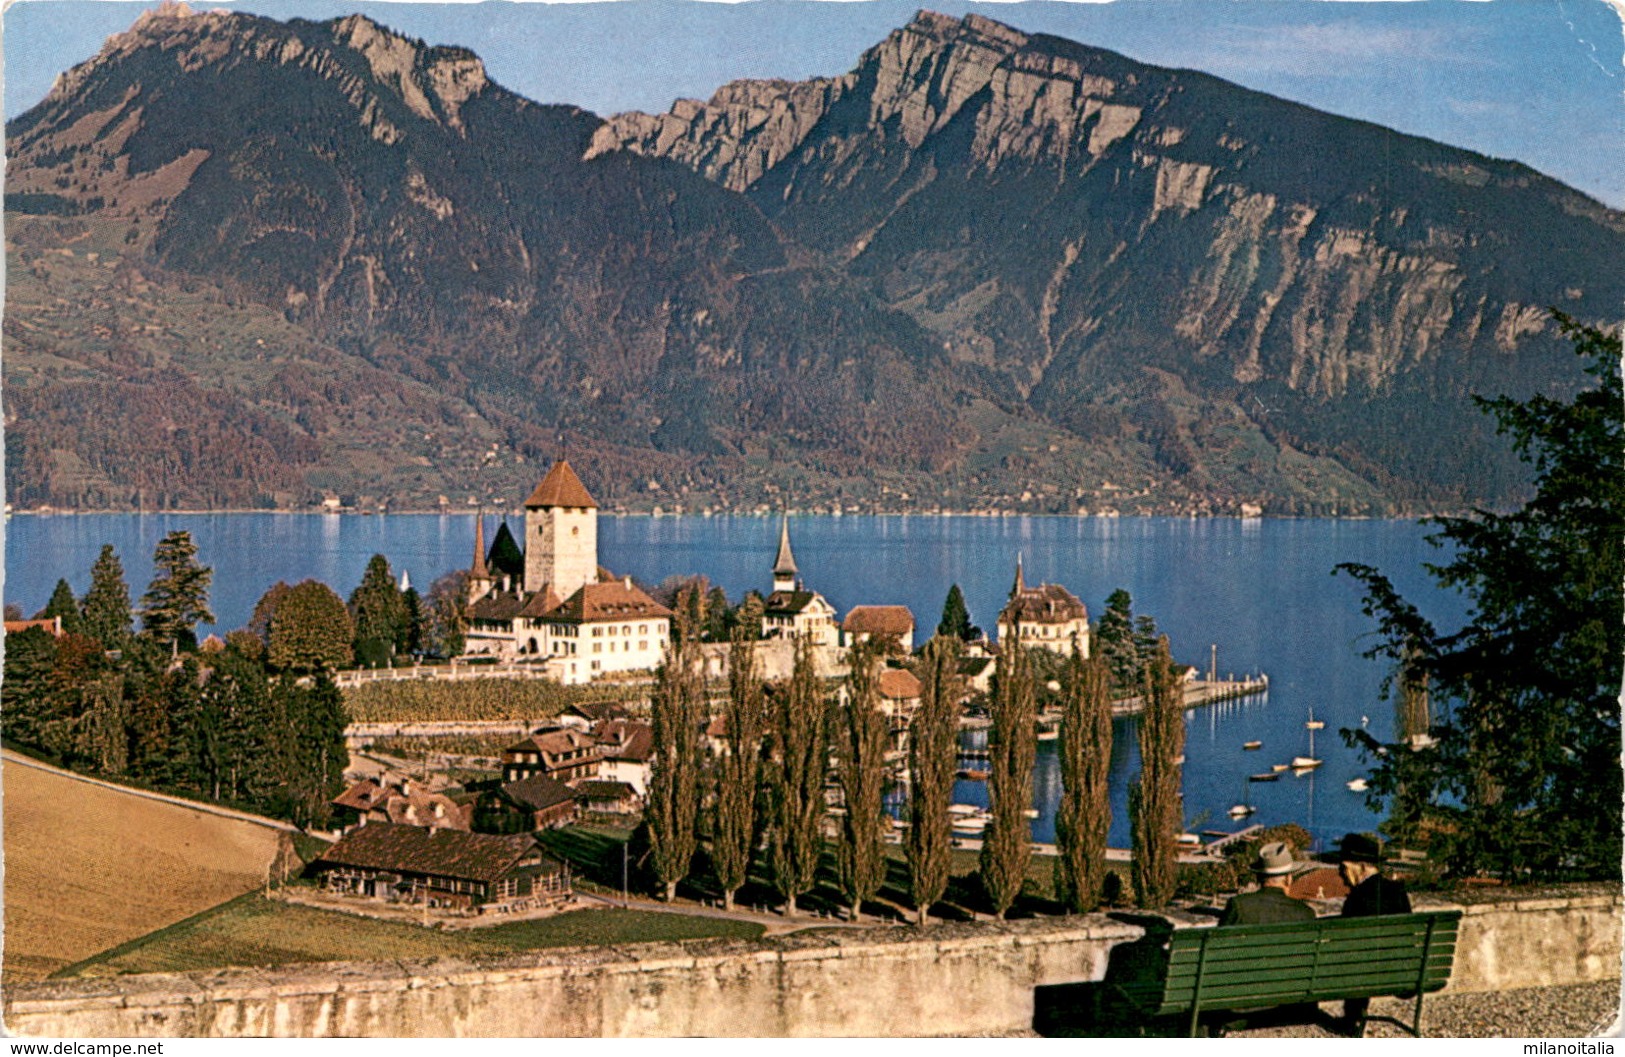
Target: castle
(560, 608)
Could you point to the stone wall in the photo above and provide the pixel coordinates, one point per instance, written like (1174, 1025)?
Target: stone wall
(949, 980)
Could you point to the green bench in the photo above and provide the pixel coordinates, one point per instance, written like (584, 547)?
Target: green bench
(1252, 967)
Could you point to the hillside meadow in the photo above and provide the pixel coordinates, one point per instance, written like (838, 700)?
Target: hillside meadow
(89, 867)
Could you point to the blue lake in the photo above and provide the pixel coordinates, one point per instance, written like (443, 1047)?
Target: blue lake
(1261, 591)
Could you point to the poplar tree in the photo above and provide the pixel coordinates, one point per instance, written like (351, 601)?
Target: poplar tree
(796, 779)
(1154, 807)
(745, 718)
(674, 792)
(1012, 747)
(859, 735)
(177, 599)
(1083, 818)
(447, 624)
(932, 753)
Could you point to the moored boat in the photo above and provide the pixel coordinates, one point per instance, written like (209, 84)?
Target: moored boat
(1252, 745)
(1267, 776)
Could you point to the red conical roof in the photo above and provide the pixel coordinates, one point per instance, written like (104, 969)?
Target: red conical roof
(561, 487)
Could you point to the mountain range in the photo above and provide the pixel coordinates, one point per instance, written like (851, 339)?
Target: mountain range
(255, 263)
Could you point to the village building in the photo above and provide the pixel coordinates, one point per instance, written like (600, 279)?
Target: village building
(900, 691)
(549, 602)
(893, 625)
(545, 803)
(441, 868)
(1047, 616)
(402, 802)
(792, 611)
(608, 798)
(562, 754)
(627, 749)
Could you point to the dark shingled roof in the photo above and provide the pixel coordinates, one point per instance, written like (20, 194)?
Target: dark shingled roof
(497, 607)
(561, 487)
(625, 739)
(538, 792)
(604, 791)
(787, 601)
(441, 852)
(1046, 604)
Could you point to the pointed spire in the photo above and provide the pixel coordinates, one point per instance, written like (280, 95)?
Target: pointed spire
(784, 567)
(1021, 581)
(406, 580)
(479, 571)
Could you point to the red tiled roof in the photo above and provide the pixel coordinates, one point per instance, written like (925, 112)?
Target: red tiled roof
(554, 743)
(541, 603)
(621, 739)
(561, 487)
(363, 796)
(879, 620)
(440, 852)
(53, 625)
(616, 600)
(1045, 604)
(898, 684)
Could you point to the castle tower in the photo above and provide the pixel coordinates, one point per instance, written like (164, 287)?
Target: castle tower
(561, 534)
(784, 567)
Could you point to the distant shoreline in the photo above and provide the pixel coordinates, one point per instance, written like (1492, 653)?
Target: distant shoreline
(704, 515)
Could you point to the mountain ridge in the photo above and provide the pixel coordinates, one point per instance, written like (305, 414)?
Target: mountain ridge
(982, 269)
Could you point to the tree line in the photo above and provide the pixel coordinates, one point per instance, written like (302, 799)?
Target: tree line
(759, 807)
(127, 692)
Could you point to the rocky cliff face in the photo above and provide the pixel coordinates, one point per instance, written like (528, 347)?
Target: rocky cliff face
(985, 267)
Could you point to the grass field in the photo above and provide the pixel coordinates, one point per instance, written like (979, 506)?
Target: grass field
(88, 867)
(255, 931)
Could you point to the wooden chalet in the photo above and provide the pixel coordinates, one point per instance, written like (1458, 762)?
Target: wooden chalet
(441, 868)
(545, 802)
(402, 802)
(560, 754)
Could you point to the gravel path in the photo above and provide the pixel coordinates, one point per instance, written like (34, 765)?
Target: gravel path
(1574, 1011)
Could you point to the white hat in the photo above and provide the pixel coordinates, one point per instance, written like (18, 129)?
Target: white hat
(1274, 858)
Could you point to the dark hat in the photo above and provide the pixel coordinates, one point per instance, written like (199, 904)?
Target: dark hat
(1359, 847)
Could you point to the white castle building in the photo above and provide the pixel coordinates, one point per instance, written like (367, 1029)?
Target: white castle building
(566, 612)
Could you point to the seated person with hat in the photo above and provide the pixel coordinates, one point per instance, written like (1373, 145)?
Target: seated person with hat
(1270, 904)
(1359, 858)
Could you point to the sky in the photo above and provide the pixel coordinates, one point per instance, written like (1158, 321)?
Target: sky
(1539, 81)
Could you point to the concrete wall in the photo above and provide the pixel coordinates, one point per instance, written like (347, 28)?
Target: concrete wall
(949, 980)
(1512, 938)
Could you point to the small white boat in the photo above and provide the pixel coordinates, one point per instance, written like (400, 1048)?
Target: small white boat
(1357, 785)
(1031, 812)
(1305, 763)
(1242, 810)
(971, 823)
(1278, 767)
(963, 810)
(1251, 745)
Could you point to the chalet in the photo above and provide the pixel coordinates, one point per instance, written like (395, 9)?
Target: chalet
(546, 803)
(440, 867)
(402, 803)
(587, 714)
(792, 610)
(1047, 616)
(561, 754)
(892, 624)
(627, 749)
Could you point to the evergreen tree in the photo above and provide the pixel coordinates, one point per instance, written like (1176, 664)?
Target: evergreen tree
(796, 779)
(25, 689)
(378, 612)
(745, 720)
(719, 617)
(411, 643)
(1525, 717)
(234, 712)
(106, 716)
(177, 599)
(955, 620)
(64, 606)
(106, 606)
(674, 790)
(310, 629)
(447, 625)
(859, 737)
(932, 753)
(1083, 818)
(1114, 643)
(1154, 805)
(1012, 744)
(313, 745)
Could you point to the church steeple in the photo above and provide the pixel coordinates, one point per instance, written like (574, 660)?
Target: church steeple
(784, 567)
(478, 569)
(1021, 581)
